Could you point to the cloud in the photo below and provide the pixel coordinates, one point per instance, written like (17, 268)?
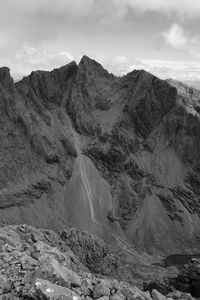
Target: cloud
(28, 59)
(194, 46)
(179, 7)
(121, 65)
(95, 8)
(175, 36)
(174, 69)
(69, 7)
(44, 34)
(119, 7)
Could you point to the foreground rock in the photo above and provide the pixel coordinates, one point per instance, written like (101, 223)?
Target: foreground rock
(40, 265)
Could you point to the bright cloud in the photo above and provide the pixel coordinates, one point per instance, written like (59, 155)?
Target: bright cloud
(121, 65)
(175, 36)
(28, 59)
(174, 69)
(164, 69)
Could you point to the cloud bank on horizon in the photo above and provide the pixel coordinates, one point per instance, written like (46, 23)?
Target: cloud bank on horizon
(160, 36)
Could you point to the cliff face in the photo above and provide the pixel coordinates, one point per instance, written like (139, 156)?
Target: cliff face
(116, 156)
(37, 152)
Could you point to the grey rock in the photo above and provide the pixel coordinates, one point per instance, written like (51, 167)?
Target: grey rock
(157, 296)
(50, 269)
(47, 290)
(101, 289)
(5, 285)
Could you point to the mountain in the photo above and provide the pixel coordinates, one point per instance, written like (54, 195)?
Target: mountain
(116, 156)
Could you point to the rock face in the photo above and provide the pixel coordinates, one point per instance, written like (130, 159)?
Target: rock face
(118, 157)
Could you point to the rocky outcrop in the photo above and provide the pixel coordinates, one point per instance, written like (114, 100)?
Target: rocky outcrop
(189, 279)
(182, 285)
(92, 252)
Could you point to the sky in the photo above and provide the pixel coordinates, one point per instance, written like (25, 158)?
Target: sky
(160, 36)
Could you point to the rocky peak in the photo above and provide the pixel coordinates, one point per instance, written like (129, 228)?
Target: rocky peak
(150, 99)
(63, 73)
(5, 78)
(60, 75)
(91, 67)
(88, 62)
(49, 86)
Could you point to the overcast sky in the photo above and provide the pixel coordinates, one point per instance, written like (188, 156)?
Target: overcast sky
(161, 36)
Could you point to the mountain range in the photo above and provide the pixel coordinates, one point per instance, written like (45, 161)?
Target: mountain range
(115, 156)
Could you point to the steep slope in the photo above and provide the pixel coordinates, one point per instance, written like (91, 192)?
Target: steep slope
(37, 152)
(118, 157)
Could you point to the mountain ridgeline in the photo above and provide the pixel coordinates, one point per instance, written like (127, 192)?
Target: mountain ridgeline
(116, 156)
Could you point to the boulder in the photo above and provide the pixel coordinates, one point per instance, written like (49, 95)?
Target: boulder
(44, 289)
(51, 269)
(5, 285)
(157, 296)
(118, 297)
(101, 289)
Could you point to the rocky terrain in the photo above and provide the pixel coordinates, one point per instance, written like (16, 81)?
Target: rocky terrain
(115, 156)
(40, 264)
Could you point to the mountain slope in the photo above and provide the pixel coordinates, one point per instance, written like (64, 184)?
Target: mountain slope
(118, 157)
